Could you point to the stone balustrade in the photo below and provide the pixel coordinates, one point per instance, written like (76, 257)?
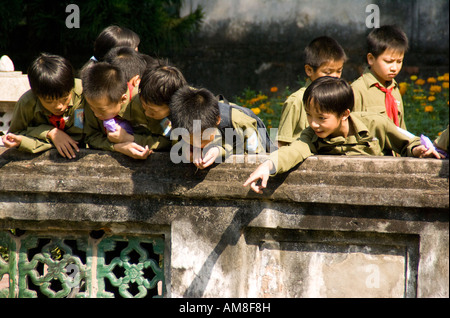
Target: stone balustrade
(105, 225)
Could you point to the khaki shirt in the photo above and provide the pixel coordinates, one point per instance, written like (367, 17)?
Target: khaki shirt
(146, 131)
(31, 120)
(247, 138)
(374, 134)
(443, 140)
(293, 116)
(368, 98)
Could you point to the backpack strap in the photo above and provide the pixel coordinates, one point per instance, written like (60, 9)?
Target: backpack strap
(226, 122)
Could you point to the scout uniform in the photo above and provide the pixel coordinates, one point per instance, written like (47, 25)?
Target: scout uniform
(374, 133)
(31, 120)
(146, 131)
(443, 140)
(247, 136)
(370, 98)
(293, 116)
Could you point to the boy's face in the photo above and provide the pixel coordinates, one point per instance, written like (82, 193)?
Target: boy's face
(154, 111)
(387, 65)
(104, 109)
(56, 106)
(330, 68)
(325, 124)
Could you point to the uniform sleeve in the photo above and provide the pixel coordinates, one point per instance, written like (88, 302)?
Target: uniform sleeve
(442, 141)
(154, 142)
(34, 139)
(293, 119)
(358, 106)
(396, 138)
(22, 116)
(95, 136)
(287, 157)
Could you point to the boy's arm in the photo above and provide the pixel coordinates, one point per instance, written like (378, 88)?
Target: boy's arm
(279, 161)
(95, 136)
(287, 157)
(396, 138)
(154, 142)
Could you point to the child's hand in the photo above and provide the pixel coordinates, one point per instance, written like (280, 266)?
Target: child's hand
(210, 157)
(119, 136)
(11, 140)
(422, 152)
(65, 145)
(263, 173)
(133, 150)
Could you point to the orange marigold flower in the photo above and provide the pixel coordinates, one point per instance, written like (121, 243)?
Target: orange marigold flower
(446, 77)
(431, 80)
(256, 110)
(274, 89)
(435, 88)
(403, 87)
(445, 84)
(431, 98)
(420, 81)
(429, 109)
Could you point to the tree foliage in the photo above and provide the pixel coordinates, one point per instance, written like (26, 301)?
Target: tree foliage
(28, 27)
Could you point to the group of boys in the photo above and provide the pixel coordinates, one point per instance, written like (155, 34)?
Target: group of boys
(131, 103)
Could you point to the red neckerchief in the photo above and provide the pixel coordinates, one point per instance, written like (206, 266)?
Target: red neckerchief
(57, 121)
(390, 103)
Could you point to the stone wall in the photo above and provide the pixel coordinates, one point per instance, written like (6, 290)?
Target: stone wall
(259, 43)
(332, 227)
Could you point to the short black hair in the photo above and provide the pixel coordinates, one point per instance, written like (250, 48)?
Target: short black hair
(159, 83)
(113, 36)
(330, 95)
(323, 49)
(103, 79)
(189, 104)
(386, 37)
(130, 61)
(51, 76)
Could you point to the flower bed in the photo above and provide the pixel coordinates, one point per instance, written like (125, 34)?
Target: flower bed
(425, 102)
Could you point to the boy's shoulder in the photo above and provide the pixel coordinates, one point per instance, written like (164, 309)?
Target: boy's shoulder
(28, 98)
(78, 87)
(365, 81)
(240, 118)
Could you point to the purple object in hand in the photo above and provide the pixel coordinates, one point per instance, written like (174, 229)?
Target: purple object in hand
(425, 141)
(110, 125)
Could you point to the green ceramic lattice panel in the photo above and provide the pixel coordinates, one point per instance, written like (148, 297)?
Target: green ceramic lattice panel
(64, 265)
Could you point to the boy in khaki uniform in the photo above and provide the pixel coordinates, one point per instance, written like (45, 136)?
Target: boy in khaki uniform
(206, 136)
(323, 57)
(334, 130)
(376, 90)
(51, 114)
(106, 93)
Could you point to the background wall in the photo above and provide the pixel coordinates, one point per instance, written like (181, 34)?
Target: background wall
(259, 43)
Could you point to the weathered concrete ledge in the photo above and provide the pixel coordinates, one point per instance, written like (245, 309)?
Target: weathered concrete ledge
(332, 227)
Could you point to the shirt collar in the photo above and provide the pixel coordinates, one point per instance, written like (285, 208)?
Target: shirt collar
(371, 80)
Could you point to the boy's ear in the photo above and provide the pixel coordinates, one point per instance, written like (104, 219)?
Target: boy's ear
(124, 98)
(370, 59)
(346, 114)
(218, 120)
(135, 80)
(309, 70)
